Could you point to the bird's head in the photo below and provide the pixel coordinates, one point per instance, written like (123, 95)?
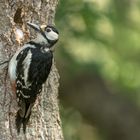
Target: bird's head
(46, 33)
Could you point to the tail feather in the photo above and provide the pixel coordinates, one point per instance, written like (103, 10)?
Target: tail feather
(23, 117)
(18, 121)
(25, 121)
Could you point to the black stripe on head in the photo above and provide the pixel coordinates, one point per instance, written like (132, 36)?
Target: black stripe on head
(53, 28)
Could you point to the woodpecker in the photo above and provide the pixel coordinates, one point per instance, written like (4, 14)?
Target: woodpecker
(29, 69)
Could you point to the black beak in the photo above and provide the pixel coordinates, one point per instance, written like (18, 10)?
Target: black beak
(34, 26)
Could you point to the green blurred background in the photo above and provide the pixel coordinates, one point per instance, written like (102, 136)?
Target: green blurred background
(98, 58)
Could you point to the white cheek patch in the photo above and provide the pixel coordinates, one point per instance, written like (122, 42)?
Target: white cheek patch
(52, 35)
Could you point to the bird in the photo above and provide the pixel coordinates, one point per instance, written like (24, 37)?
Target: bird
(29, 68)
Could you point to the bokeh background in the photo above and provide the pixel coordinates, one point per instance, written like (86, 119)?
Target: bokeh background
(98, 58)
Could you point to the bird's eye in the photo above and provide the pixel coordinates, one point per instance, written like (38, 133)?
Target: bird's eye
(48, 30)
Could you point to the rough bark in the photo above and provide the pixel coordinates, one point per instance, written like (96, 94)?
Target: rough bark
(45, 121)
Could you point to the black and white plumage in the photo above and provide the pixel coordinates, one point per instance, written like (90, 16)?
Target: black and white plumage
(29, 69)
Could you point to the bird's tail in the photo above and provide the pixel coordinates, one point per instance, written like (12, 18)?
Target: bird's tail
(23, 116)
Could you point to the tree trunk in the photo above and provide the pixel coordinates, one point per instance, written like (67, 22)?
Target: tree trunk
(45, 123)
